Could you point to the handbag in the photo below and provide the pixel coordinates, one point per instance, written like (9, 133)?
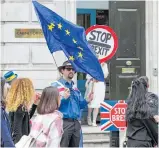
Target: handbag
(27, 141)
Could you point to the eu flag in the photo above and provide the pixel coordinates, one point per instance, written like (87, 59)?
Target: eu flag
(61, 34)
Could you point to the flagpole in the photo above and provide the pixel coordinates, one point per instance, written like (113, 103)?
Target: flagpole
(56, 64)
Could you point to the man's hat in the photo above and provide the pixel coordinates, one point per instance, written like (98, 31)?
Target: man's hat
(9, 76)
(66, 63)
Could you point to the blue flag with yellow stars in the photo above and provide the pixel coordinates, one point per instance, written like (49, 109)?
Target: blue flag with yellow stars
(61, 34)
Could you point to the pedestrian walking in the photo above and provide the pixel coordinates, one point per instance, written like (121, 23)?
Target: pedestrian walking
(71, 103)
(142, 129)
(19, 104)
(6, 137)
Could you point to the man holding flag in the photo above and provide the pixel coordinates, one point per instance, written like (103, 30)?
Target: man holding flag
(61, 34)
(71, 104)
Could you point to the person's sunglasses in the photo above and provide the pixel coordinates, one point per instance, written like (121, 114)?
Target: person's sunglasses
(69, 69)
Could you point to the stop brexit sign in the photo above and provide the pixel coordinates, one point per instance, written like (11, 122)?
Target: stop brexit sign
(112, 115)
(103, 40)
(117, 115)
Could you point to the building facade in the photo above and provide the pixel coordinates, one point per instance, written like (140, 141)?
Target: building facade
(24, 51)
(29, 56)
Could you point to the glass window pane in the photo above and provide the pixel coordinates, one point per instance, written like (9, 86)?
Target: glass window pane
(84, 20)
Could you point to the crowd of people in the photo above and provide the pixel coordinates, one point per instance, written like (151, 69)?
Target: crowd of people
(57, 121)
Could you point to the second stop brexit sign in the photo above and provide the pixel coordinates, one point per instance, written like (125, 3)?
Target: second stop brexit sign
(103, 41)
(112, 115)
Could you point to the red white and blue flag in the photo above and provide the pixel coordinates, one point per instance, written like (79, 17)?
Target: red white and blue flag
(112, 114)
(61, 88)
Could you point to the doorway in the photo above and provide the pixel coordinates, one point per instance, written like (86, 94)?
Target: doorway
(87, 18)
(127, 19)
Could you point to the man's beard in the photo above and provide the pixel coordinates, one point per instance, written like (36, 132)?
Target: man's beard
(70, 75)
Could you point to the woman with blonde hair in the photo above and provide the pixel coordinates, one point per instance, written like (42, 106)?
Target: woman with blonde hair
(19, 102)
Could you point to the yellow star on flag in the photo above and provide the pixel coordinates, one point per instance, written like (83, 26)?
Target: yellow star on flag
(71, 58)
(51, 26)
(67, 32)
(80, 55)
(60, 26)
(80, 47)
(74, 41)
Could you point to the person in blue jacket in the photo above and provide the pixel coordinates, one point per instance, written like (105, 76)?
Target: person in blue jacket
(6, 138)
(71, 104)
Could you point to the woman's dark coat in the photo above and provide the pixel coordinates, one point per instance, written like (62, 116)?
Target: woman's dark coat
(142, 130)
(20, 122)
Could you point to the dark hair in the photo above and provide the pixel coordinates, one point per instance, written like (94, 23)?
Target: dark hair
(137, 103)
(144, 80)
(2, 91)
(48, 101)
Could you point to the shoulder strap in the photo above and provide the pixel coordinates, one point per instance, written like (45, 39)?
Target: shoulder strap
(149, 132)
(34, 139)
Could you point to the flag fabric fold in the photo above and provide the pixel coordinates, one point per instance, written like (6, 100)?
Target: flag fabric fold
(61, 34)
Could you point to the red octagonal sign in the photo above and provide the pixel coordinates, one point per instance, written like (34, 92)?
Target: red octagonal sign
(117, 115)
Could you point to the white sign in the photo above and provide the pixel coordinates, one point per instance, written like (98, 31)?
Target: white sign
(103, 41)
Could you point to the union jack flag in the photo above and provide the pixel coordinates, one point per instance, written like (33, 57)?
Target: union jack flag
(105, 109)
(61, 88)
